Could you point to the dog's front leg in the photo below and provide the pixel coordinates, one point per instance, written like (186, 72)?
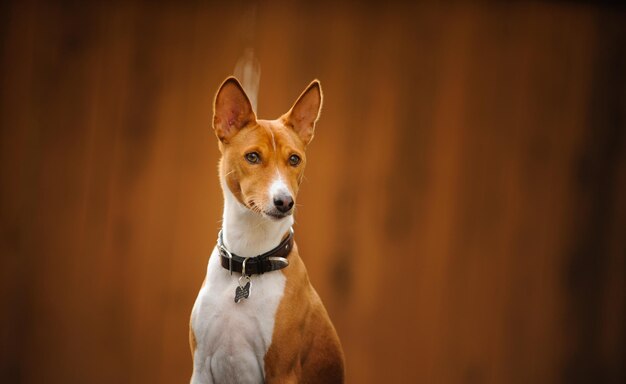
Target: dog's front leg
(288, 378)
(201, 375)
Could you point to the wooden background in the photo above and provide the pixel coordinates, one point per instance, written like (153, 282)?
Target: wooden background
(463, 217)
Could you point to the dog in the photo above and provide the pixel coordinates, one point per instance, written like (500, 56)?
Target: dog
(257, 318)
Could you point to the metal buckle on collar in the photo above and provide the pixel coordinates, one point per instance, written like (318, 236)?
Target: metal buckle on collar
(230, 261)
(220, 244)
(243, 266)
(281, 261)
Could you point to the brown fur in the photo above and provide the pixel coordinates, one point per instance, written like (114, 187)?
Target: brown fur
(192, 340)
(305, 346)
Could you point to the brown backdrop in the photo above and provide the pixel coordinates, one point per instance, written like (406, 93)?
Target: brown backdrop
(463, 216)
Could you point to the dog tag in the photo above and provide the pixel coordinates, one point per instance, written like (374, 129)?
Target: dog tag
(243, 289)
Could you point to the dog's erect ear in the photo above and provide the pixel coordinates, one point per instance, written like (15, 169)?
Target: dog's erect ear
(305, 112)
(232, 110)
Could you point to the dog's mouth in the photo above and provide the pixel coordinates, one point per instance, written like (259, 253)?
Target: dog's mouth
(271, 214)
(277, 215)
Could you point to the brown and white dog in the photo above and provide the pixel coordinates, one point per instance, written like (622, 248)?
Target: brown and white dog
(271, 326)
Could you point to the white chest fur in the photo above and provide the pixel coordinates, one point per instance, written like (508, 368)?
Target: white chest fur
(232, 338)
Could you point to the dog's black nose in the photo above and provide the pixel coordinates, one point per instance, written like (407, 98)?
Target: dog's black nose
(283, 203)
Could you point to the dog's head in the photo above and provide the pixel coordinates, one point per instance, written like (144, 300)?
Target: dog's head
(263, 160)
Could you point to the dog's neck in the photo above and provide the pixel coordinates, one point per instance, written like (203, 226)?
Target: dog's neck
(248, 233)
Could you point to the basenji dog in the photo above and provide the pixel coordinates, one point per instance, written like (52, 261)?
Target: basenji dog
(257, 318)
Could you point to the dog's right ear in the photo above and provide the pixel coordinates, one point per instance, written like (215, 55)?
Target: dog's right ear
(232, 110)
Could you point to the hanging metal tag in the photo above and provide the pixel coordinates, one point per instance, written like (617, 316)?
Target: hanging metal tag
(243, 289)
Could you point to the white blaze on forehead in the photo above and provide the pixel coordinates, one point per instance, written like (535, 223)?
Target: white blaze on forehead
(269, 129)
(278, 186)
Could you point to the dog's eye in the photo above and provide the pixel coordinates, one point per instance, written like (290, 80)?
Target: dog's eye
(294, 160)
(253, 158)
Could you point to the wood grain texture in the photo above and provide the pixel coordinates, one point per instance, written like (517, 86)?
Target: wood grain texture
(463, 210)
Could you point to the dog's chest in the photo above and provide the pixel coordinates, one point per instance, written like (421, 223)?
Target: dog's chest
(232, 338)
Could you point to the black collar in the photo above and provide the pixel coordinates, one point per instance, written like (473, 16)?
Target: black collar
(269, 261)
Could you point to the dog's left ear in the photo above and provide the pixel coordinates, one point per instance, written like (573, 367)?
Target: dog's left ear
(305, 112)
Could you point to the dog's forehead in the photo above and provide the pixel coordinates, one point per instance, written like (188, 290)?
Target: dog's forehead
(277, 134)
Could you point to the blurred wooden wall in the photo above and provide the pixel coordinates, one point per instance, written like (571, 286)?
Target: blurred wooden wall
(463, 218)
